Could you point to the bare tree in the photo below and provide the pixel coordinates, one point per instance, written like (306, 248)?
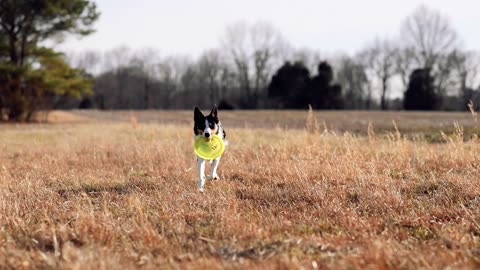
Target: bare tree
(466, 67)
(211, 65)
(88, 60)
(253, 50)
(171, 72)
(116, 58)
(379, 61)
(146, 60)
(351, 76)
(430, 35)
(429, 38)
(405, 63)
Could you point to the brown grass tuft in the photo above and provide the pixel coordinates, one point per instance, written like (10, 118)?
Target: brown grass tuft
(473, 112)
(312, 122)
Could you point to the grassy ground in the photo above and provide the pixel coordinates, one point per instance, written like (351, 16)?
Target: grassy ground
(413, 125)
(112, 195)
(352, 121)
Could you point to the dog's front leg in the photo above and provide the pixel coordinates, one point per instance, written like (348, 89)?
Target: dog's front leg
(201, 173)
(214, 175)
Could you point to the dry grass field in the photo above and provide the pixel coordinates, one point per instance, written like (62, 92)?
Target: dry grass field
(118, 191)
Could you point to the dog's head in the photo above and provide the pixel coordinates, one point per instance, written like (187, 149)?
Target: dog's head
(205, 125)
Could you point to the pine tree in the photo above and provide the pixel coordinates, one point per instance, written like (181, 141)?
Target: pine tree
(30, 73)
(287, 86)
(420, 94)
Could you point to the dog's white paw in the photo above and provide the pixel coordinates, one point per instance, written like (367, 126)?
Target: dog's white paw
(201, 190)
(213, 177)
(201, 183)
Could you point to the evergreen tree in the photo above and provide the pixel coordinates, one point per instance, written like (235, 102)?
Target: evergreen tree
(321, 93)
(420, 94)
(30, 73)
(287, 86)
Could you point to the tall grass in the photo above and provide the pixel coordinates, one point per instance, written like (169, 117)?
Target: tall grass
(312, 122)
(471, 107)
(120, 196)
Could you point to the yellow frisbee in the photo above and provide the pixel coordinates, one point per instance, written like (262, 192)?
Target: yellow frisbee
(209, 149)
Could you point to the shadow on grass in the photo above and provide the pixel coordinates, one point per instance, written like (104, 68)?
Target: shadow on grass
(273, 197)
(98, 189)
(266, 250)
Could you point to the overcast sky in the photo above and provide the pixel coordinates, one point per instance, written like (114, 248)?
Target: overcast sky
(333, 26)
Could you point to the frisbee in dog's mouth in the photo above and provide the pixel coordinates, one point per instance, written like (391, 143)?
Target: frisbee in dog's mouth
(209, 148)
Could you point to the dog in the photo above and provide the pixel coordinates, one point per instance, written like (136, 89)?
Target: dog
(207, 126)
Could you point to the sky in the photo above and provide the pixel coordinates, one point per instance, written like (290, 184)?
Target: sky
(193, 26)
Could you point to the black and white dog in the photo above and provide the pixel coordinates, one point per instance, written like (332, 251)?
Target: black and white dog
(207, 126)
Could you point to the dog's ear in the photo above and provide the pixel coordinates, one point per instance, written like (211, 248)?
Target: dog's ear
(214, 113)
(198, 115)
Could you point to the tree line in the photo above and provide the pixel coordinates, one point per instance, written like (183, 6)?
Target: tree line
(425, 68)
(254, 66)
